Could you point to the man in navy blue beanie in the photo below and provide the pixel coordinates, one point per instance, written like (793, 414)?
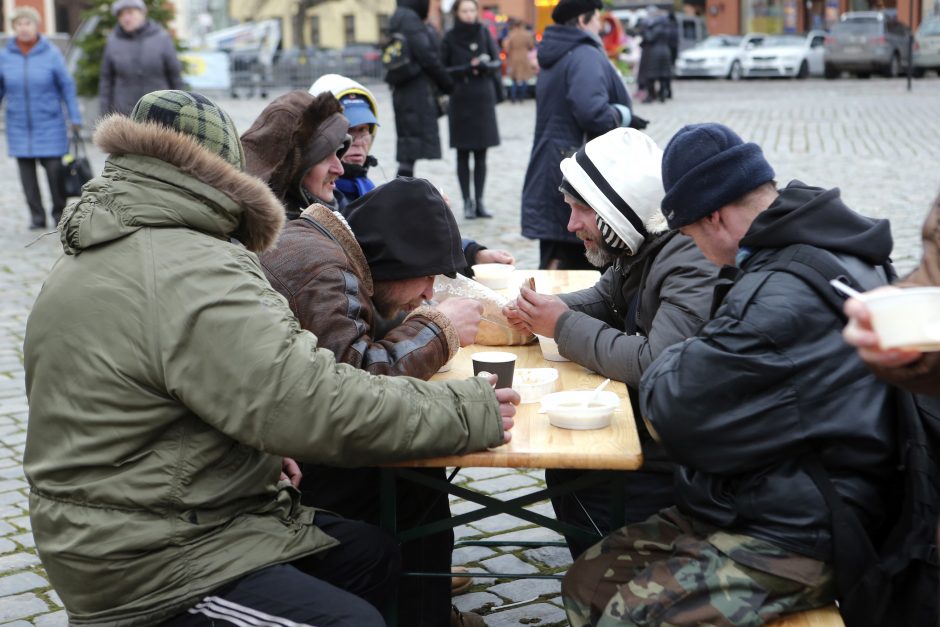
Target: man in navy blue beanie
(740, 407)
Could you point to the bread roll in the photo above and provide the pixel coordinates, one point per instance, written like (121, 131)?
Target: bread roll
(495, 330)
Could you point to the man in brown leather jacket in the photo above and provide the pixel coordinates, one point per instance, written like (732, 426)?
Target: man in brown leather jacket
(341, 280)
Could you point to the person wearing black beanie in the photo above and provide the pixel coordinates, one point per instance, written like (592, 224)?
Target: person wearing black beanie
(344, 279)
(779, 431)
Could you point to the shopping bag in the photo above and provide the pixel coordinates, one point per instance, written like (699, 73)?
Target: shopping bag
(76, 167)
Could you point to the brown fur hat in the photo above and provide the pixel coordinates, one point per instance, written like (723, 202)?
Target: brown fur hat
(294, 133)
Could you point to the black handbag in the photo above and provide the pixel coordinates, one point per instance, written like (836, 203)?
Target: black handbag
(76, 166)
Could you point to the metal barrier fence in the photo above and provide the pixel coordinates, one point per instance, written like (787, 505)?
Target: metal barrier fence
(298, 69)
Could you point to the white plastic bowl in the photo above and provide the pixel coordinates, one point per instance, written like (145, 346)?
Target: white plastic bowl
(907, 318)
(550, 349)
(567, 410)
(534, 383)
(493, 275)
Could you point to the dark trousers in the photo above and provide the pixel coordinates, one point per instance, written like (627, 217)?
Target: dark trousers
(645, 493)
(479, 172)
(354, 493)
(517, 91)
(54, 173)
(345, 586)
(565, 255)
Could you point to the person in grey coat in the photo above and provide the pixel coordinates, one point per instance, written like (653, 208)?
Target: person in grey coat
(656, 293)
(139, 57)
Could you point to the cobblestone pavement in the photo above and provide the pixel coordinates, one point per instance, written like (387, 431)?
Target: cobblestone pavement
(871, 138)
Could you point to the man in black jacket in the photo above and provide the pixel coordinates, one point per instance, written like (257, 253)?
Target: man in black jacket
(416, 86)
(766, 387)
(656, 293)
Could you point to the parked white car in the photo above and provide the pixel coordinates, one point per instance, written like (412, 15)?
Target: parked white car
(718, 56)
(793, 56)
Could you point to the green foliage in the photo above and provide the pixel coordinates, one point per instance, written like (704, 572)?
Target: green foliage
(92, 44)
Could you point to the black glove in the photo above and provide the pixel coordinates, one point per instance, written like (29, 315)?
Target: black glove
(638, 123)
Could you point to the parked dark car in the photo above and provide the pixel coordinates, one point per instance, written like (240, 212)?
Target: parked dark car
(362, 61)
(862, 42)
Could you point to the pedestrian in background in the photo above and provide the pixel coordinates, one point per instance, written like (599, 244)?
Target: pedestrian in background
(579, 96)
(472, 59)
(35, 82)
(657, 56)
(518, 45)
(139, 57)
(415, 86)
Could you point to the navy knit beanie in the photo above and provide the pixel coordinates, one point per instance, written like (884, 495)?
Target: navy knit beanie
(705, 167)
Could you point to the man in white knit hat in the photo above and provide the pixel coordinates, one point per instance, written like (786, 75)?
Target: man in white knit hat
(656, 293)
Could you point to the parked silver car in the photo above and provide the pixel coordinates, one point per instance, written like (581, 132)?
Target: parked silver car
(793, 56)
(927, 47)
(719, 56)
(863, 42)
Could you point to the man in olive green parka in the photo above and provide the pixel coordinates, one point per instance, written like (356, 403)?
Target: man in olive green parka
(167, 380)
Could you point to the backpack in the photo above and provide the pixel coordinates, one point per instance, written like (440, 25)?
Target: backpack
(399, 65)
(893, 580)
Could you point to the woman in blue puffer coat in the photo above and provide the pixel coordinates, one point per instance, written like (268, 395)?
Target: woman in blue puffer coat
(35, 82)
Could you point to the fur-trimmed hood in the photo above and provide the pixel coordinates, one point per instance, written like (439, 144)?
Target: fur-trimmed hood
(294, 133)
(157, 177)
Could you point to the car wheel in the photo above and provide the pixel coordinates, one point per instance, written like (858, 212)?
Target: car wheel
(735, 72)
(893, 68)
(863, 75)
(919, 72)
(804, 70)
(831, 72)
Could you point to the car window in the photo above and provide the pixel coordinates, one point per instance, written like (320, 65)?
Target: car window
(785, 40)
(930, 27)
(858, 26)
(817, 41)
(721, 42)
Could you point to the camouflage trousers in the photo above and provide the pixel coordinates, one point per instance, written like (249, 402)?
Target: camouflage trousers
(672, 570)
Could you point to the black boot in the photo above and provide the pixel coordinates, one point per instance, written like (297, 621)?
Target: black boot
(481, 211)
(469, 210)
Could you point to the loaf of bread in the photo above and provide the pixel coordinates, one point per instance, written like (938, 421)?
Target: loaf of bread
(495, 330)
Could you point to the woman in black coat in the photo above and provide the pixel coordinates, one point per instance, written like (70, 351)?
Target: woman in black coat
(472, 59)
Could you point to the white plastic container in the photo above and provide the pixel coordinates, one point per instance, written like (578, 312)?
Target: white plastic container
(907, 318)
(568, 411)
(493, 275)
(549, 349)
(534, 383)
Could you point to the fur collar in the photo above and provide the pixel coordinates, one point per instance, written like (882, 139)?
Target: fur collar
(337, 226)
(262, 214)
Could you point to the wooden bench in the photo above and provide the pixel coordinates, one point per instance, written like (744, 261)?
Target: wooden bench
(821, 617)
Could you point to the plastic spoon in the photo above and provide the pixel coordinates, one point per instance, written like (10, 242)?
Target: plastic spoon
(597, 391)
(845, 289)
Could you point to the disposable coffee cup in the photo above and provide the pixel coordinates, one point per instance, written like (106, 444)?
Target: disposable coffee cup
(907, 318)
(495, 362)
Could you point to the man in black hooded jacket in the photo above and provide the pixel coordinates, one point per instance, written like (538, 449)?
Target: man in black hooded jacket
(766, 386)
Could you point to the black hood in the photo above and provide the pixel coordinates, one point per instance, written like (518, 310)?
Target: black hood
(420, 7)
(406, 231)
(818, 217)
(558, 40)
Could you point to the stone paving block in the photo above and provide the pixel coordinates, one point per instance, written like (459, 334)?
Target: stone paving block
(517, 492)
(12, 472)
(21, 606)
(533, 534)
(21, 582)
(6, 498)
(7, 546)
(18, 623)
(25, 540)
(521, 590)
(467, 554)
(475, 601)
(7, 529)
(501, 484)
(56, 619)
(462, 507)
(499, 522)
(53, 597)
(17, 561)
(551, 556)
(476, 474)
(508, 564)
(463, 531)
(544, 508)
(22, 522)
(541, 614)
